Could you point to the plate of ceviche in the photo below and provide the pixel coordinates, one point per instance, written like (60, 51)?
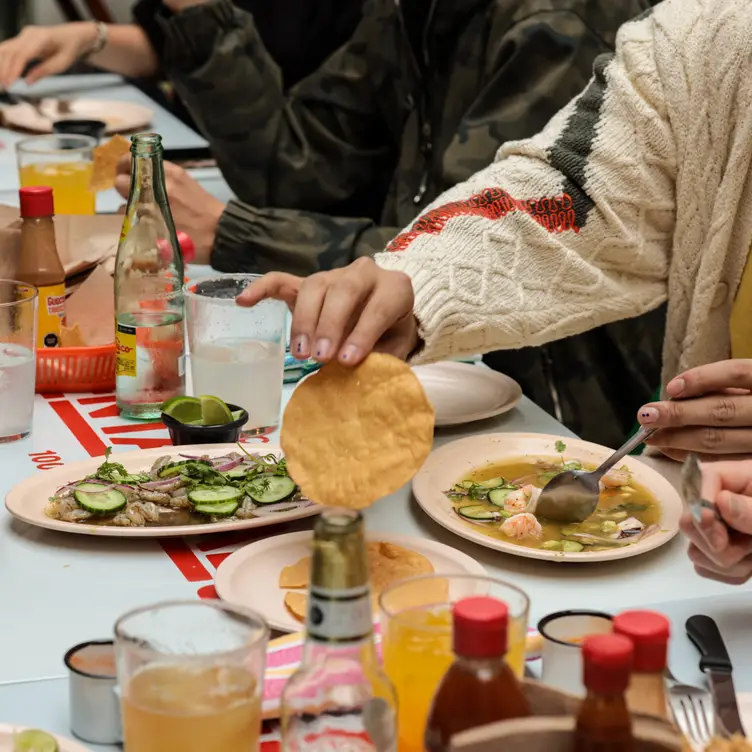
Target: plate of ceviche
(485, 489)
(158, 493)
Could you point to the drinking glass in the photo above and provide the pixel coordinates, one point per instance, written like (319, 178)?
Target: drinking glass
(63, 161)
(416, 639)
(237, 354)
(18, 336)
(191, 677)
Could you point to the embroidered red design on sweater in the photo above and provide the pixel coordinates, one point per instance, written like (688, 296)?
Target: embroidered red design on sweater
(554, 214)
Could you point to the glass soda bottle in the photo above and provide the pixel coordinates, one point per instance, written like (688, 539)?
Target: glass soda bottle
(339, 700)
(149, 303)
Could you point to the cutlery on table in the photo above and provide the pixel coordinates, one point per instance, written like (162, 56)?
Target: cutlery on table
(572, 496)
(692, 709)
(716, 665)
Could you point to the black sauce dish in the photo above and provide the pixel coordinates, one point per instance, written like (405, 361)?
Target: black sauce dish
(94, 128)
(185, 433)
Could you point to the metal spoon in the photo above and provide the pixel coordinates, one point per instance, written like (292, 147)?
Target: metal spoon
(572, 496)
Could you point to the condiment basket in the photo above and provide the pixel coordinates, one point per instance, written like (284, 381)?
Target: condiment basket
(550, 728)
(76, 369)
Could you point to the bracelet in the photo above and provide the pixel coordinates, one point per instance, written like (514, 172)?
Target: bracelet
(101, 41)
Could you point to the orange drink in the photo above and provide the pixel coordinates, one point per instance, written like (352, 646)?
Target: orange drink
(63, 162)
(416, 639)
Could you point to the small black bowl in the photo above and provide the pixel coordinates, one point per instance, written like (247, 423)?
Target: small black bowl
(182, 433)
(94, 128)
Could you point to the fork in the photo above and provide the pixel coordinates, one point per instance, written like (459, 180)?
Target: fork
(693, 711)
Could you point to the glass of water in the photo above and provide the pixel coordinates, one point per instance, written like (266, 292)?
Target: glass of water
(237, 354)
(18, 324)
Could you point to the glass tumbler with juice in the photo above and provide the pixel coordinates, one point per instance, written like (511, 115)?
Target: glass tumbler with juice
(191, 677)
(64, 162)
(416, 640)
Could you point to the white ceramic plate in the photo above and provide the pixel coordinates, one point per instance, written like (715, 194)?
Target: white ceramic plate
(462, 392)
(6, 740)
(744, 701)
(451, 462)
(119, 116)
(27, 499)
(250, 577)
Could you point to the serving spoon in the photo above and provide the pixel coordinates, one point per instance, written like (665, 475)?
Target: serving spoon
(572, 496)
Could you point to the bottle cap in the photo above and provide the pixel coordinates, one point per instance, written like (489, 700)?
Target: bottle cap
(187, 246)
(480, 627)
(649, 632)
(37, 201)
(607, 663)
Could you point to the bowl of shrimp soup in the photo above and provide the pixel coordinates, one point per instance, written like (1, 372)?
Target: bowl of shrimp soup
(485, 489)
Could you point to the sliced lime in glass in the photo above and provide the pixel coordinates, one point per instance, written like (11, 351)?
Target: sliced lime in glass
(214, 412)
(183, 409)
(32, 740)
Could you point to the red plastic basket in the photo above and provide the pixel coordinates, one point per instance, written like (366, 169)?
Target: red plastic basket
(76, 369)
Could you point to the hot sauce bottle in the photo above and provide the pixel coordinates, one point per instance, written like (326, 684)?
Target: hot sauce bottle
(604, 723)
(39, 264)
(479, 688)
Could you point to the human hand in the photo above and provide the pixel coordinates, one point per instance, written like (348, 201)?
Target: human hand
(57, 47)
(719, 552)
(344, 314)
(194, 210)
(710, 412)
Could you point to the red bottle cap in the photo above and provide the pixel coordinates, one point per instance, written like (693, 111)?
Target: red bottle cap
(36, 201)
(649, 632)
(480, 627)
(187, 247)
(607, 663)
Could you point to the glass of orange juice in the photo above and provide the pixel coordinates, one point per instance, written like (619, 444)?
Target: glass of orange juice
(65, 163)
(191, 677)
(416, 638)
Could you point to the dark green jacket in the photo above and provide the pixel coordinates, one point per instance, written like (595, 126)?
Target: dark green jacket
(419, 99)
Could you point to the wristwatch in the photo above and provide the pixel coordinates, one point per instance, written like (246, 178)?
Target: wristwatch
(101, 41)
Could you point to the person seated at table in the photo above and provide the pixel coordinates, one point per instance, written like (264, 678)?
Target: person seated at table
(298, 35)
(720, 551)
(637, 193)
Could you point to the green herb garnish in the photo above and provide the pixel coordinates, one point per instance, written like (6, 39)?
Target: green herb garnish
(112, 471)
(560, 447)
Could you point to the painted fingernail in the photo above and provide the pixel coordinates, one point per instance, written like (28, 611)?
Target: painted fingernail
(349, 354)
(321, 348)
(300, 345)
(649, 415)
(676, 386)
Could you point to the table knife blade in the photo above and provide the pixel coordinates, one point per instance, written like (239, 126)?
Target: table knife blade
(716, 665)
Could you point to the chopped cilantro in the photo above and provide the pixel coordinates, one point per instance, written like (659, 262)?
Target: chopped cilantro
(560, 447)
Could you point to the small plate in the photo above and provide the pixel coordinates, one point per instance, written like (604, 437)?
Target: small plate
(119, 116)
(27, 499)
(448, 464)
(6, 740)
(462, 393)
(250, 577)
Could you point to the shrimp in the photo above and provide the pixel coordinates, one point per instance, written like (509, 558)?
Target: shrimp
(524, 499)
(616, 478)
(522, 526)
(66, 509)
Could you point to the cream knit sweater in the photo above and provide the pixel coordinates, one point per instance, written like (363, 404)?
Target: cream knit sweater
(638, 191)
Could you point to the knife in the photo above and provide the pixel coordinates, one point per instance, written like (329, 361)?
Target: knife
(716, 665)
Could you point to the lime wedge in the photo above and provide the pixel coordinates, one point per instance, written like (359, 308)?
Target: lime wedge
(214, 412)
(236, 414)
(183, 409)
(34, 741)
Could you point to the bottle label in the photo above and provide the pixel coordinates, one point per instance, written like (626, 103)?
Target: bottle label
(125, 347)
(50, 315)
(339, 615)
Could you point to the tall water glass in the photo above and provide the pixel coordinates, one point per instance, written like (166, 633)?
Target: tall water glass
(237, 354)
(191, 677)
(18, 324)
(416, 639)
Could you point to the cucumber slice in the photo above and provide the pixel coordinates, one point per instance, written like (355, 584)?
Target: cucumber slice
(571, 547)
(223, 509)
(492, 483)
(174, 468)
(269, 489)
(92, 498)
(478, 512)
(207, 495)
(237, 473)
(498, 496)
(466, 483)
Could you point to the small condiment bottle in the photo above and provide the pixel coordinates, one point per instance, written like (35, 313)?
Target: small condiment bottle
(649, 632)
(603, 722)
(39, 263)
(479, 688)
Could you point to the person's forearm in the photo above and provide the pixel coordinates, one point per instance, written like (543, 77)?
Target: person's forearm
(127, 52)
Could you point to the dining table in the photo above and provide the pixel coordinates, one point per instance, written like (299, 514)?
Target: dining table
(59, 589)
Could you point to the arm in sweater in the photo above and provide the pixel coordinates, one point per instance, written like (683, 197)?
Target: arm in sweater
(563, 232)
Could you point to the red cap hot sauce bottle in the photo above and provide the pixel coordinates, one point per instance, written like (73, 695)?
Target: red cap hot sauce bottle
(649, 633)
(39, 263)
(604, 723)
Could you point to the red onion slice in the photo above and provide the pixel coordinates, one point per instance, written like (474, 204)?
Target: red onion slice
(228, 465)
(156, 485)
